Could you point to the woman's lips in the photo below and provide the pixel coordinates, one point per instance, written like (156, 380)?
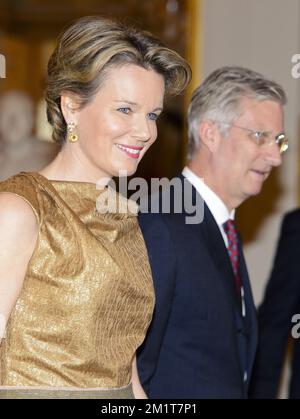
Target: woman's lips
(131, 151)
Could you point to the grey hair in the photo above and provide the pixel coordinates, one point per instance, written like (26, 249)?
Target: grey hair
(219, 96)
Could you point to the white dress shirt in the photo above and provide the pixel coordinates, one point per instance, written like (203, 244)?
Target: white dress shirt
(215, 204)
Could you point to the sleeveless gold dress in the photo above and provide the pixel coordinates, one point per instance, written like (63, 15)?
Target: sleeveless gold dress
(87, 298)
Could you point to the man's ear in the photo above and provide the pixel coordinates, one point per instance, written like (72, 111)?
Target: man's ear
(69, 106)
(209, 134)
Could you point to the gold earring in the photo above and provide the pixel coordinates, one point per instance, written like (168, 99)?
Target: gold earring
(72, 137)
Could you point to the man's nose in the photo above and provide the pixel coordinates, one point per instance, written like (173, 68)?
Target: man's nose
(273, 155)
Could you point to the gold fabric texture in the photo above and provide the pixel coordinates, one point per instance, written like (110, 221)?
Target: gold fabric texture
(37, 393)
(87, 298)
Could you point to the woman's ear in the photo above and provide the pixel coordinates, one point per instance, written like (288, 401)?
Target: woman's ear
(69, 107)
(209, 134)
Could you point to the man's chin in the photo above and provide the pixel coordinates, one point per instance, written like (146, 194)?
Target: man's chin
(255, 190)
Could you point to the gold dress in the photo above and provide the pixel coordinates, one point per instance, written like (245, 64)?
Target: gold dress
(87, 298)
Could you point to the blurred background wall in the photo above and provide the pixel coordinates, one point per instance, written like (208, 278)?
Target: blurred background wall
(260, 34)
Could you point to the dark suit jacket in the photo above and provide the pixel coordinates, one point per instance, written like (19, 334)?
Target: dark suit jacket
(198, 345)
(281, 302)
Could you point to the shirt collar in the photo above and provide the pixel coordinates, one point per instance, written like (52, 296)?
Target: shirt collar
(215, 204)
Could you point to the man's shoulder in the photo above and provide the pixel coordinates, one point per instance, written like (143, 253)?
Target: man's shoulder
(176, 201)
(292, 218)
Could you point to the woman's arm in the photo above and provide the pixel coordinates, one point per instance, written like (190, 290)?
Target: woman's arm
(18, 235)
(138, 390)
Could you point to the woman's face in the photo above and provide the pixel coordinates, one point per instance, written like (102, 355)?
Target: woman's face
(119, 125)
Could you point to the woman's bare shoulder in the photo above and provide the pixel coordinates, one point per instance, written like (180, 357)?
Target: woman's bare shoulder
(16, 214)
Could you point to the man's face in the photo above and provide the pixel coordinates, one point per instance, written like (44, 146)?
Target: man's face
(241, 163)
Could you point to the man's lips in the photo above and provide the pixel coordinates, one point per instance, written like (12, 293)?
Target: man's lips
(263, 173)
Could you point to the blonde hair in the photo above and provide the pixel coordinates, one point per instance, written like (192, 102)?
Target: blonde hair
(93, 44)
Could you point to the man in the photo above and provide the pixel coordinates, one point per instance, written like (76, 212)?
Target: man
(202, 341)
(276, 316)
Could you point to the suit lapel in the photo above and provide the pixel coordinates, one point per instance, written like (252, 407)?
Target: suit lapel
(217, 250)
(251, 316)
(219, 254)
(210, 232)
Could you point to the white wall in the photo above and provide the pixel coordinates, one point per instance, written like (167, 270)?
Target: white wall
(262, 35)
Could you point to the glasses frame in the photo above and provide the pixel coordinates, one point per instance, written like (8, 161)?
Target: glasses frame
(280, 140)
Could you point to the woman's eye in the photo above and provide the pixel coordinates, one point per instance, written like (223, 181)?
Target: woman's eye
(124, 110)
(153, 116)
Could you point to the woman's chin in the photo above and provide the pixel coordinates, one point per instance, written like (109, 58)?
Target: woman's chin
(126, 171)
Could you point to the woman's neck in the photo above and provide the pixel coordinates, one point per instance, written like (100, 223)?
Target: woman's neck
(67, 166)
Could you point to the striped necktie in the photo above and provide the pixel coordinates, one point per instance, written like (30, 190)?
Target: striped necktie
(233, 252)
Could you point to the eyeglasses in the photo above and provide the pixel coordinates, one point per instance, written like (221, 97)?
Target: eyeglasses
(264, 137)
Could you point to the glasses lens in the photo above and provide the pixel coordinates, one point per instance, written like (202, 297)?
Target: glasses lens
(284, 145)
(282, 142)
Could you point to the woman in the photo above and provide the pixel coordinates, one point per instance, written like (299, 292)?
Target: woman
(76, 294)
